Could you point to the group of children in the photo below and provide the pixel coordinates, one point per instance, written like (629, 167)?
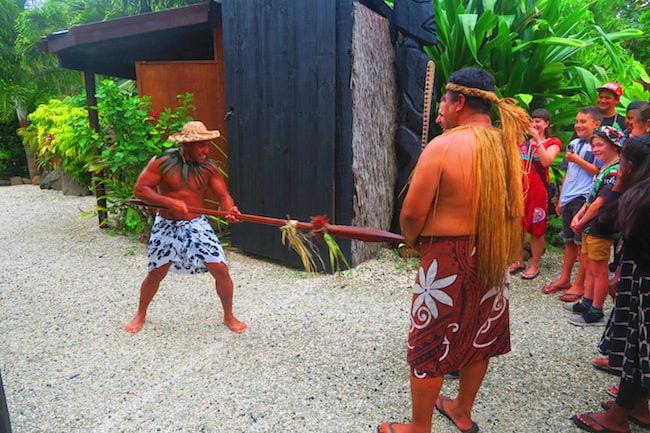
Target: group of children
(592, 162)
(605, 202)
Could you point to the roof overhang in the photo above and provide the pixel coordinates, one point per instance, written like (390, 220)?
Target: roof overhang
(112, 47)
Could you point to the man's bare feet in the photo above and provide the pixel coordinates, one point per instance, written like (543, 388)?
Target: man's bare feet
(235, 325)
(449, 408)
(574, 294)
(639, 416)
(135, 324)
(393, 427)
(601, 421)
(556, 286)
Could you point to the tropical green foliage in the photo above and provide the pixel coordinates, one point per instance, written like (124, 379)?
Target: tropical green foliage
(60, 134)
(60, 137)
(12, 153)
(543, 53)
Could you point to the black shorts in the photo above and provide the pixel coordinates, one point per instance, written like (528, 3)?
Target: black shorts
(568, 211)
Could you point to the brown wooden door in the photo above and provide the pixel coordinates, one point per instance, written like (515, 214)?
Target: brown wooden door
(163, 81)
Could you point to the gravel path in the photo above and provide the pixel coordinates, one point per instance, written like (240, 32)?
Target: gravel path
(324, 353)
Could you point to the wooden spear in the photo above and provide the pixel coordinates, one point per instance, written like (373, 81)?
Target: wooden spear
(365, 234)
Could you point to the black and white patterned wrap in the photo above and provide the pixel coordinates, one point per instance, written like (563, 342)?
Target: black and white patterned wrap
(629, 325)
(187, 244)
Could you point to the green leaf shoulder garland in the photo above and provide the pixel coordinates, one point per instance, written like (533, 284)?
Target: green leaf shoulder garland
(174, 160)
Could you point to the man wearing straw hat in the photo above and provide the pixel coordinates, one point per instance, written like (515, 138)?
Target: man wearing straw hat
(463, 214)
(181, 240)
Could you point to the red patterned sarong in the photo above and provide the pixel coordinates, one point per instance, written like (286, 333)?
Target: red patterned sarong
(454, 321)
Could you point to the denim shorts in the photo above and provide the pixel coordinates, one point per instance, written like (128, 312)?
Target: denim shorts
(568, 211)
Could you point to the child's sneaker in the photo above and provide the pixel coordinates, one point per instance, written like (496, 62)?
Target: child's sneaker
(577, 308)
(590, 318)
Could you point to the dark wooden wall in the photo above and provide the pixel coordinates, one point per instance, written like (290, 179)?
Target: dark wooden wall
(283, 67)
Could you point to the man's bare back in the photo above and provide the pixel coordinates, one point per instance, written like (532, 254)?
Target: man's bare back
(444, 186)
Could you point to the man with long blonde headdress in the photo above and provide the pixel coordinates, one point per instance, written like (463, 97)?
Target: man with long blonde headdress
(462, 213)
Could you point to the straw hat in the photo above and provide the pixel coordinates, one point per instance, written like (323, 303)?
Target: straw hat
(194, 131)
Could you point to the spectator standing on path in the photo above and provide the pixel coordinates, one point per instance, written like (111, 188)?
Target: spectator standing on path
(180, 239)
(596, 244)
(459, 313)
(631, 112)
(582, 166)
(641, 122)
(640, 125)
(629, 355)
(537, 153)
(609, 95)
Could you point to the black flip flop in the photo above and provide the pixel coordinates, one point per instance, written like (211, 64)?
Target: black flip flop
(441, 408)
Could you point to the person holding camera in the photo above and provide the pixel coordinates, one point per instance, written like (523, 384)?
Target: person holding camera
(581, 168)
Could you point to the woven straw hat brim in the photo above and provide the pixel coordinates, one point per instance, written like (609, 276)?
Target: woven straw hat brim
(180, 137)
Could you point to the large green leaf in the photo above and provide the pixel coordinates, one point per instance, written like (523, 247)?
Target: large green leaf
(468, 24)
(552, 40)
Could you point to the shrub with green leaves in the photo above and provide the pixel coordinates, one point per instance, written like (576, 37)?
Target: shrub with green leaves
(60, 137)
(130, 135)
(12, 152)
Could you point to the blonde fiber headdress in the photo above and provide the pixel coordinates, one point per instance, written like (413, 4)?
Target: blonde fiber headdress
(498, 205)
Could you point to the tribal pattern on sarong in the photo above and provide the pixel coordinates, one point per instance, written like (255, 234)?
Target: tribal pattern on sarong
(454, 321)
(187, 244)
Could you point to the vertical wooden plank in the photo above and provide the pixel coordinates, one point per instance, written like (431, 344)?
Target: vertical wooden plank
(344, 182)
(93, 120)
(280, 78)
(5, 424)
(163, 81)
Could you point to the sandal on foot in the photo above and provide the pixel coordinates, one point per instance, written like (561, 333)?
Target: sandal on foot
(390, 427)
(440, 405)
(569, 297)
(552, 288)
(595, 422)
(612, 391)
(601, 363)
(607, 405)
(516, 267)
(529, 276)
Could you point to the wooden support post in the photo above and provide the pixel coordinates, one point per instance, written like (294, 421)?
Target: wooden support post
(93, 117)
(5, 425)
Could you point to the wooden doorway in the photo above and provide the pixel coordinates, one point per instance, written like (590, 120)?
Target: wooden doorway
(163, 81)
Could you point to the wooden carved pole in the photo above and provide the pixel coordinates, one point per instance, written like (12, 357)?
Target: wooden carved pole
(428, 96)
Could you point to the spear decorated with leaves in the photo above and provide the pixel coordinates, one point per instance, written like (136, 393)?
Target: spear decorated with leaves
(317, 224)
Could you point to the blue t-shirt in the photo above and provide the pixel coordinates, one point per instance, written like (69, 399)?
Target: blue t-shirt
(577, 181)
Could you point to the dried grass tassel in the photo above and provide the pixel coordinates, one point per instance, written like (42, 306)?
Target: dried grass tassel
(300, 244)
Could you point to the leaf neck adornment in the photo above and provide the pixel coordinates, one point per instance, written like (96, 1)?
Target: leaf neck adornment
(174, 160)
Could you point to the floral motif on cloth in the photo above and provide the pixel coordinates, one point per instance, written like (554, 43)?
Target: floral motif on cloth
(454, 322)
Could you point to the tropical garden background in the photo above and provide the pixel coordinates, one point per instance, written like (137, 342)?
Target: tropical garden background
(545, 53)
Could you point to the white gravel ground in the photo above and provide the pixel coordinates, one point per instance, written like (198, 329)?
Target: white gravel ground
(323, 353)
